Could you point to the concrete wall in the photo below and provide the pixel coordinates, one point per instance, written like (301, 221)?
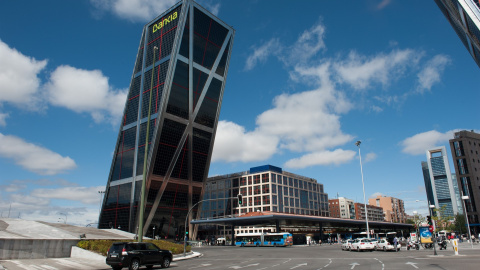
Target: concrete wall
(11, 249)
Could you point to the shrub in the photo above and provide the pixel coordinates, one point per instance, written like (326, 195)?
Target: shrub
(102, 246)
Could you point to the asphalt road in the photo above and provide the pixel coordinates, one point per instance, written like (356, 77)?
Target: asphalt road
(296, 257)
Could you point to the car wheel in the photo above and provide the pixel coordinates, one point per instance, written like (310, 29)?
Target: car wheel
(358, 249)
(134, 264)
(384, 249)
(375, 248)
(166, 262)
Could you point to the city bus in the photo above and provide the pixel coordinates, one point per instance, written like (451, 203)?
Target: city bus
(266, 240)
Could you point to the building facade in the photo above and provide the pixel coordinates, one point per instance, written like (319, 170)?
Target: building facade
(264, 188)
(175, 97)
(393, 208)
(441, 190)
(342, 208)
(465, 149)
(464, 16)
(375, 213)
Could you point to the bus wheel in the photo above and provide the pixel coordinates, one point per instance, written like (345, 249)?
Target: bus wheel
(242, 245)
(257, 244)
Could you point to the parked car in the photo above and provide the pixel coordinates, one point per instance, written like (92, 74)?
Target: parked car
(133, 255)
(362, 244)
(347, 244)
(387, 244)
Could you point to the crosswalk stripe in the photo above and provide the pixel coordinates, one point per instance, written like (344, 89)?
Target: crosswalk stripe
(68, 263)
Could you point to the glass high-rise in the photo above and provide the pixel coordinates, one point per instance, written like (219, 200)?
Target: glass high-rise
(441, 190)
(181, 66)
(464, 16)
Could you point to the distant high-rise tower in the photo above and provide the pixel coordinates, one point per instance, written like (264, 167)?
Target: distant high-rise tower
(439, 185)
(465, 149)
(464, 16)
(182, 62)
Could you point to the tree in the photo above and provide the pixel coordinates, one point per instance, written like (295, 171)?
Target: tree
(459, 224)
(442, 220)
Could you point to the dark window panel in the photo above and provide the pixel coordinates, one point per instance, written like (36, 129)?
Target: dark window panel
(184, 47)
(181, 167)
(141, 144)
(178, 102)
(169, 140)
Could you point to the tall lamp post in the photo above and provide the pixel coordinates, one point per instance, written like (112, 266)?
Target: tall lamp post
(144, 178)
(464, 198)
(363, 185)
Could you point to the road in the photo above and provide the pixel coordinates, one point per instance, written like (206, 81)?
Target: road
(290, 258)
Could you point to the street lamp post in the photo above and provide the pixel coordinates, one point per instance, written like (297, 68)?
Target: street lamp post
(144, 178)
(64, 220)
(464, 198)
(415, 221)
(100, 209)
(363, 185)
(430, 207)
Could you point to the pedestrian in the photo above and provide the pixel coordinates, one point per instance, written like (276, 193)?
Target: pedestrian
(395, 241)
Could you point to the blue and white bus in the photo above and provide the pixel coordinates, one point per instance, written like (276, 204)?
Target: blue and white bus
(266, 240)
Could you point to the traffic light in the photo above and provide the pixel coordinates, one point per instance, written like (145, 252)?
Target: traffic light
(429, 220)
(240, 199)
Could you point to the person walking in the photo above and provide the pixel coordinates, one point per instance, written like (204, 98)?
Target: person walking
(395, 241)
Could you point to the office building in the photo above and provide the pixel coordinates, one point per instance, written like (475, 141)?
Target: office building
(342, 208)
(375, 213)
(180, 74)
(465, 147)
(393, 208)
(264, 188)
(464, 17)
(439, 183)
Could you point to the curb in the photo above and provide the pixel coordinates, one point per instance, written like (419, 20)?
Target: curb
(189, 256)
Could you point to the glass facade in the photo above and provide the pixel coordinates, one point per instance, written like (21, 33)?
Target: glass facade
(439, 186)
(181, 67)
(464, 16)
(270, 190)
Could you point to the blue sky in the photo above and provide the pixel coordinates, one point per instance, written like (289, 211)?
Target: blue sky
(307, 79)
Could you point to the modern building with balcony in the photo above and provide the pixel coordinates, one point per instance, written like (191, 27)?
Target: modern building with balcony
(465, 147)
(342, 208)
(172, 110)
(393, 208)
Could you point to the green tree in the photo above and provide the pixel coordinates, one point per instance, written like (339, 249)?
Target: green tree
(459, 225)
(442, 220)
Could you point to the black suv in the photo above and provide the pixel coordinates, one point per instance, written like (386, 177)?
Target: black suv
(133, 255)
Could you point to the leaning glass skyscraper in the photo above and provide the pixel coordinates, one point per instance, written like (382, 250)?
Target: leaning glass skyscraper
(180, 69)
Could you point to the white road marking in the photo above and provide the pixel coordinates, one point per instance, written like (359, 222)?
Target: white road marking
(298, 265)
(412, 264)
(354, 264)
(69, 263)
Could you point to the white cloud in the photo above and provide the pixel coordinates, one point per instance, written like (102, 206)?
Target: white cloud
(85, 195)
(361, 71)
(336, 157)
(383, 4)
(430, 74)
(3, 119)
(370, 157)
(19, 82)
(134, 10)
(419, 143)
(33, 157)
(308, 44)
(214, 8)
(233, 143)
(86, 91)
(261, 53)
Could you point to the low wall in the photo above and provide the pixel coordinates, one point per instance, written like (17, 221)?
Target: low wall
(12, 249)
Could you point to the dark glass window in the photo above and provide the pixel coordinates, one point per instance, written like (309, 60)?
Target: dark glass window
(178, 102)
(169, 139)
